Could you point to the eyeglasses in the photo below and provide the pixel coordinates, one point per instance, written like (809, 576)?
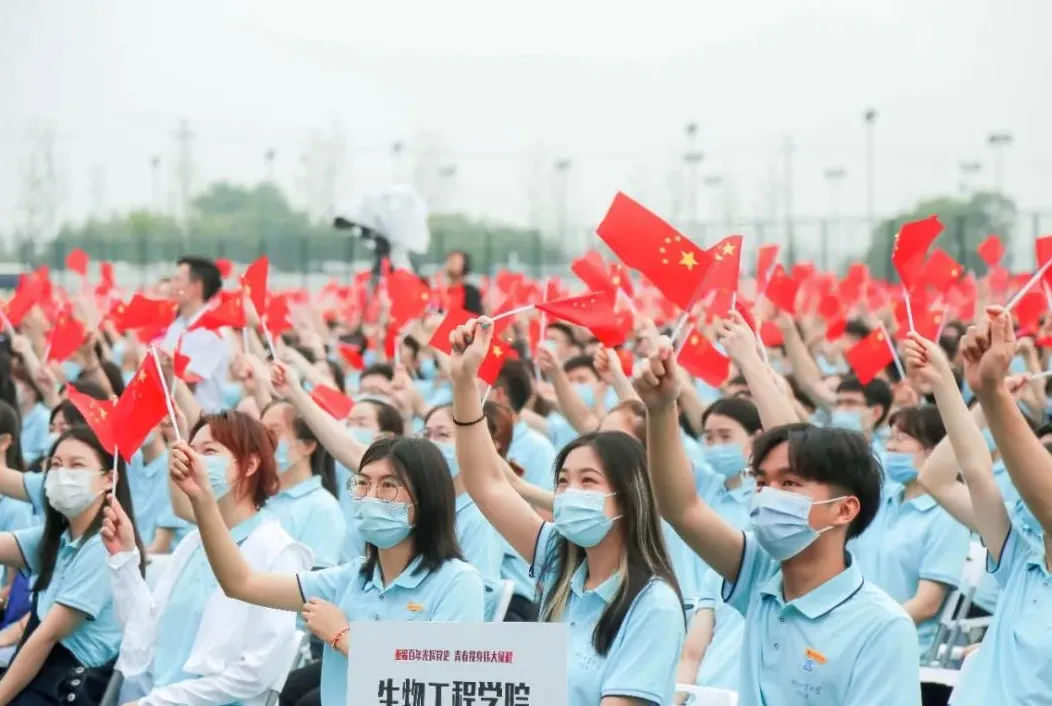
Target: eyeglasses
(387, 489)
(437, 434)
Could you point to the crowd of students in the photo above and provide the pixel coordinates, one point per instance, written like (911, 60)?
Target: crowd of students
(793, 535)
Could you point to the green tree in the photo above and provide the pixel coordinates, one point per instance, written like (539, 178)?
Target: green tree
(966, 224)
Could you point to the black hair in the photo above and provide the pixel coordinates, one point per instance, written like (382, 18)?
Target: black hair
(113, 376)
(90, 388)
(739, 409)
(11, 423)
(876, 392)
(836, 457)
(55, 523)
(566, 329)
(1043, 430)
(69, 413)
(378, 369)
(857, 328)
(388, 418)
(412, 344)
(517, 381)
(923, 423)
(204, 271)
(336, 371)
(580, 361)
(321, 461)
(415, 461)
(624, 463)
(307, 353)
(465, 256)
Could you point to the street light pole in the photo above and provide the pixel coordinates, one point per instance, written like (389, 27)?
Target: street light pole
(834, 175)
(870, 118)
(692, 158)
(999, 141)
(562, 169)
(967, 170)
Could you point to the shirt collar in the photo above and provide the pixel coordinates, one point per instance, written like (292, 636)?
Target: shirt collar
(824, 598)
(519, 429)
(463, 500)
(67, 541)
(409, 578)
(1037, 556)
(241, 530)
(303, 487)
(150, 469)
(923, 503)
(606, 590)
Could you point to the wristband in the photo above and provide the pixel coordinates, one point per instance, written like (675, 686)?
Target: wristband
(468, 424)
(339, 636)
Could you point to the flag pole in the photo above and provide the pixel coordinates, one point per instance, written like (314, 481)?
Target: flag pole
(543, 327)
(513, 312)
(116, 455)
(894, 353)
(1026, 287)
(167, 393)
(909, 307)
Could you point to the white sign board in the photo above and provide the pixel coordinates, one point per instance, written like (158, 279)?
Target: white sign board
(457, 664)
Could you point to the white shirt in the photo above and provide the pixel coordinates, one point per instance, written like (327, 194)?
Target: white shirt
(209, 358)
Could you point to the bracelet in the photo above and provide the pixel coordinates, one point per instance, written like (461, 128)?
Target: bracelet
(339, 636)
(468, 424)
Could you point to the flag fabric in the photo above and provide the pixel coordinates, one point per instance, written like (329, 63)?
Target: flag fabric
(829, 307)
(594, 311)
(144, 312)
(276, 315)
(765, 257)
(77, 260)
(65, 337)
(725, 264)
(224, 266)
(911, 248)
(106, 280)
(771, 335)
(353, 355)
(228, 309)
(254, 282)
(337, 404)
(1042, 253)
(97, 413)
(1030, 308)
(781, 291)
(643, 241)
(27, 295)
(409, 295)
(591, 269)
(702, 360)
(991, 250)
(621, 277)
(454, 318)
(499, 352)
(941, 271)
(869, 356)
(139, 410)
(835, 328)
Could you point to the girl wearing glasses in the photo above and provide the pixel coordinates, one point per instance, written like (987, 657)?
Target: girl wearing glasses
(412, 570)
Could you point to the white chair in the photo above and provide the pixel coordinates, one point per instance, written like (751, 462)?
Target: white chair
(292, 660)
(709, 696)
(945, 651)
(497, 603)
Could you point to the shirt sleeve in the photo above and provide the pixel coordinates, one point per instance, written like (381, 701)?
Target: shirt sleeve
(324, 532)
(85, 584)
(1013, 556)
(709, 591)
(482, 546)
(641, 664)
(463, 601)
(945, 550)
(28, 541)
(329, 584)
(542, 568)
(34, 485)
(887, 668)
(756, 566)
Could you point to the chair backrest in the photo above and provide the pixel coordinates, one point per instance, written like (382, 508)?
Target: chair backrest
(291, 660)
(155, 566)
(709, 696)
(498, 599)
(112, 695)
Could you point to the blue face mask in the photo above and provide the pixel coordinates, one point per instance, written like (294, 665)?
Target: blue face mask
(846, 419)
(726, 459)
(780, 521)
(1017, 366)
(900, 467)
(281, 455)
(117, 351)
(778, 365)
(825, 367)
(449, 451)
(586, 392)
(382, 524)
(362, 435)
(126, 376)
(216, 466)
(579, 517)
(369, 358)
(428, 368)
(988, 437)
(307, 386)
(231, 392)
(70, 370)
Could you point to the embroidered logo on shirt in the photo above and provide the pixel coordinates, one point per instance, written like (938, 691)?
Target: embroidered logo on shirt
(414, 607)
(813, 657)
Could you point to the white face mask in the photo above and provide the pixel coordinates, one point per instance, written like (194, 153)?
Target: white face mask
(69, 490)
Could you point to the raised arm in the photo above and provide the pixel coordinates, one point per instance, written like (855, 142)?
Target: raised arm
(481, 467)
(740, 342)
(718, 543)
(987, 358)
(608, 365)
(234, 574)
(581, 418)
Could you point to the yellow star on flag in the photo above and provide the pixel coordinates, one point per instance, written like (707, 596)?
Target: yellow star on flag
(727, 249)
(497, 352)
(687, 260)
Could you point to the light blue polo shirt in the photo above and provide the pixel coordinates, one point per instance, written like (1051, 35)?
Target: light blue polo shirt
(451, 593)
(34, 485)
(560, 431)
(721, 665)
(34, 436)
(479, 542)
(353, 545)
(732, 504)
(181, 620)
(312, 517)
(686, 564)
(79, 581)
(15, 515)
(148, 483)
(642, 659)
(1014, 664)
(845, 643)
(534, 453)
(909, 541)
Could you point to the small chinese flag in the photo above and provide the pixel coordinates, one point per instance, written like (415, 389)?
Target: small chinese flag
(141, 408)
(77, 260)
(770, 334)
(701, 359)
(454, 318)
(1030, 308)
(224, 266)
(1042, 252)
(781, 290)
(337, 404)
(765, 257)
(991, 250)
(106, 280)
(725, 257)
(941, 271)
(594, 311)
(620, 277)
(353, 355)
(228, 309)
(869, 356)
(97, 413)
(276, 315)
(802, 272)
(409, 295)
(144, 312)
(66, 337)
(27, 294)
(254, 282)
(499, 352)
(911, 248)
(592, 271)
(829, 307)
(643, 241)
(835, 328)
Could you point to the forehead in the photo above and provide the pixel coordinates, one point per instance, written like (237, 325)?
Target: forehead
(776, 463)
(203, 435)
(440, 418)
(719, 421)
(851, 396)
(276, 414)
(73, 448)
(379, 469)
(582, 457)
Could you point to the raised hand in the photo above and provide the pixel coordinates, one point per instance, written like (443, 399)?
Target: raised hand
(925, 362)
(547, 361)
(992, 367)
(284, 379)
(737, 338)
(117, 532)
(657, 382)
(187, 471)
(608, 365)
(470, 343)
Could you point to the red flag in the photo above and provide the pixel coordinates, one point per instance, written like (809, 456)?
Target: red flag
(27, 294)
(781, 290)
(621, 277)
(224, 266)
(139, 410)
(829, 307)
(991, 250)
(802, 272)
(765, 257)
(254, 282)
(911, 248)
(454, 318)
(143, 312)
(276, 315)
(701, 359)
(66, 337)
(1043, 251)
(353, 356)
(409, 295)
(592, 271)
(337, 404)
(594, 311)
(646, 243)
(835, 329)
(725, 257)
(77, 260)
(770, 334)
(869, 356)
(1030, 308)
(228, 310)
(499, 352)
(941, 270)
(97, 413)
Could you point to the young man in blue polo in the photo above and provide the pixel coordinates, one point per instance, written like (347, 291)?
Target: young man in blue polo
(816, 632)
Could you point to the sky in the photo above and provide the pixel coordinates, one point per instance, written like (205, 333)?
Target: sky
(493, 94)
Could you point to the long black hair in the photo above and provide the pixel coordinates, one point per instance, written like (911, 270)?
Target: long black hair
(624, 463)
(55, 523)
(11, 423)
(321, 461)
(434, 534)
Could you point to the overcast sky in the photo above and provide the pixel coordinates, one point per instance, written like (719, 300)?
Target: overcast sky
(502, 90)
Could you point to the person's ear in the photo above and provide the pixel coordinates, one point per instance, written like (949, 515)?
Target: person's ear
(252, 465)
(847, 510)
(6, 439)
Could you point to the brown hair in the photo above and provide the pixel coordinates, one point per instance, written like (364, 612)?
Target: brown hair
(245, 436)
(638, 413)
